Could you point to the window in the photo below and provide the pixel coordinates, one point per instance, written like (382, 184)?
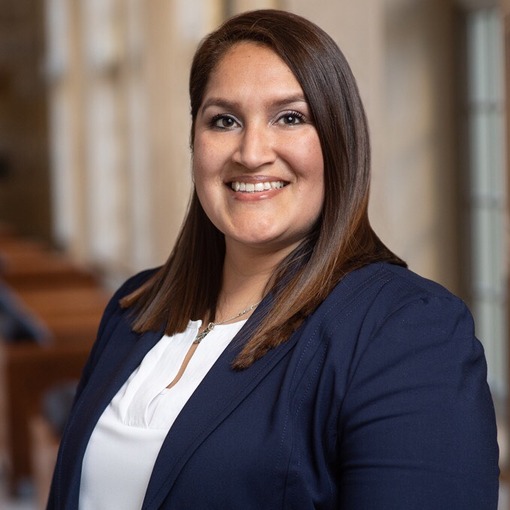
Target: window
(486, 188)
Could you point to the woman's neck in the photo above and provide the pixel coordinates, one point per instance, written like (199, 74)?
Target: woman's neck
(246, 274)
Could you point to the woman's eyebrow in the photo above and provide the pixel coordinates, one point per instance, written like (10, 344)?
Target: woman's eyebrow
(285, 101)
(231, 105)
(220, 103)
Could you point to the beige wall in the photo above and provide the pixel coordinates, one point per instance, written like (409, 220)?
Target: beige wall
(417, 191)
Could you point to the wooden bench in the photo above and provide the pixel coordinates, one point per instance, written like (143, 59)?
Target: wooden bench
(69, 302)
(29, 369)
(28, 264)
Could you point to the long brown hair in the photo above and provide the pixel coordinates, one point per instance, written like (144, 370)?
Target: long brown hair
(188, 285)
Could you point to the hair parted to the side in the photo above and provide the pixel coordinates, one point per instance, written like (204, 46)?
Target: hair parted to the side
(188, 285)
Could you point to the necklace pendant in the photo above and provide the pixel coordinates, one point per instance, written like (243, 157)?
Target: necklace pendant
(210, 326)
(201, 336)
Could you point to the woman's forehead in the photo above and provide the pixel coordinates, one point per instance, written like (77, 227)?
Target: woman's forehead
(251, 63)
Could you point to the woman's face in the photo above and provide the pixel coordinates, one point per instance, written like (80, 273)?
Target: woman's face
(258, 165)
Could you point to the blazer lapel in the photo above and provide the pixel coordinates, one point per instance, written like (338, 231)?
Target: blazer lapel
(221, 391)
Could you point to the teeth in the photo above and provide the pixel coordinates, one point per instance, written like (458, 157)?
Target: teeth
(249, 187)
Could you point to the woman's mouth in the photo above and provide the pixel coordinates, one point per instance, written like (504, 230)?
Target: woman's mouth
(250, 187)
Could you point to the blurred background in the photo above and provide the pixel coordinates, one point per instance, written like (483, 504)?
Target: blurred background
(95, 167)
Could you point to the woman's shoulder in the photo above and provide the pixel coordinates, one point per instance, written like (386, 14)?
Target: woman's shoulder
(379, 291)
(392, 284)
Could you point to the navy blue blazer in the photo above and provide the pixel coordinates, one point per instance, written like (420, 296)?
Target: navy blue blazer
(378, 401)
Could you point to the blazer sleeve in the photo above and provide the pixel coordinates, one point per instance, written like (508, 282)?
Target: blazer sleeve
(417, 427)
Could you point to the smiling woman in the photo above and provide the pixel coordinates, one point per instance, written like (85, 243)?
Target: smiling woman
(283, 356)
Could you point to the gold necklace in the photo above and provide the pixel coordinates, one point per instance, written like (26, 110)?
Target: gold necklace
(211, 325)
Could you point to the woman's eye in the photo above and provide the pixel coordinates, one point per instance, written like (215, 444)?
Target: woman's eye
(223, 122)
(292, 118)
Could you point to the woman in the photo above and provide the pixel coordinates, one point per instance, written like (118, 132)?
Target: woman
(283, 357)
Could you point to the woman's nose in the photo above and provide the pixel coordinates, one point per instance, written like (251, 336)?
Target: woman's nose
(256, 147)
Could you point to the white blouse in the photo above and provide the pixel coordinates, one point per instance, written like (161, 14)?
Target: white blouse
(127, 438)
